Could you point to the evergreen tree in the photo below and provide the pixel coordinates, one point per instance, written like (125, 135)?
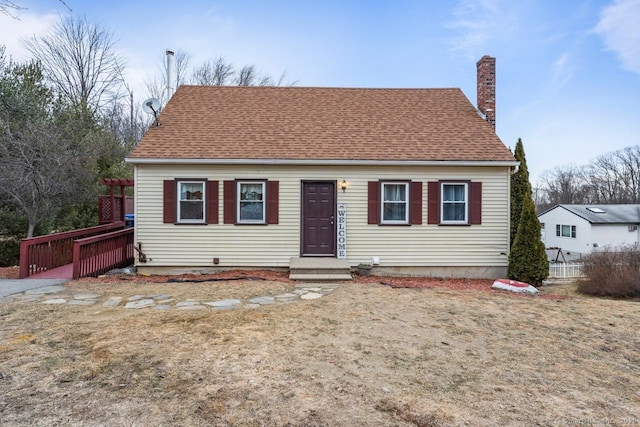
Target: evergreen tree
(520, 188)
(528, 259)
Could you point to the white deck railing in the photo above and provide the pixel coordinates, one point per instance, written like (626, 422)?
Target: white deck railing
(565, 270)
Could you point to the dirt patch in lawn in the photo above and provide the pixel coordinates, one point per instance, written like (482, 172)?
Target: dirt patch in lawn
(366, 354)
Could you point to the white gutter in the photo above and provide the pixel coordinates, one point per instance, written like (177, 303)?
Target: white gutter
(322, 162)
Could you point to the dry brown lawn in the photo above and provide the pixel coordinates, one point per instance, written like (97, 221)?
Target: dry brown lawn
(365, 355)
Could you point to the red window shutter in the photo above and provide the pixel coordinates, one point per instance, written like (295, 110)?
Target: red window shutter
(169, 207)
(373, 216)
(415, 215)
(433, 202)
(212, 202)
(273, 200)
(229, 199)
(475, 197)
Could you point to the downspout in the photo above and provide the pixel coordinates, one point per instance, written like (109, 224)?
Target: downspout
(515, 169)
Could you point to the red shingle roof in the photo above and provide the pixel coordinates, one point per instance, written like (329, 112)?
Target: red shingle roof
(305, 123)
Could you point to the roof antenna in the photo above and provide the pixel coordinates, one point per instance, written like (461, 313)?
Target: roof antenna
(152, 106)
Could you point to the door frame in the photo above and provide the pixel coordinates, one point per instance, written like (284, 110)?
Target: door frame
(334, 183)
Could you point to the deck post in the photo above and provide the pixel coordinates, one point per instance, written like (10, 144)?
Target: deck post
(24, 259)
(76, 260)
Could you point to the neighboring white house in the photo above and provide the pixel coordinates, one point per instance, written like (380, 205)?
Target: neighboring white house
(581, 229)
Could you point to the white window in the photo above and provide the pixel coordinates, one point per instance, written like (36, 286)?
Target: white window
(454, 203)
(563, 230)
(395, 203)
(251, 206)
(191, 201)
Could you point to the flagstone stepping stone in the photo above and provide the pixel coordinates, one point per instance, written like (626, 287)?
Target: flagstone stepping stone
(86, 296)
(251, 306)
(160, 297)
(22, 298)
(135, 298)
(143, 303)
(300, 291)
(312, 289)
(81, 302)
(187, 303)
(46, 290)
(329, 286)
(55, 301)
(165, 301)
(286, 296)
(191, 307)
(224, 304)
(112, 302)
(311, 295)
(262, 300)
(162, 307)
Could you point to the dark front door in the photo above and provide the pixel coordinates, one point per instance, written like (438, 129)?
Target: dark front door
(318, 224)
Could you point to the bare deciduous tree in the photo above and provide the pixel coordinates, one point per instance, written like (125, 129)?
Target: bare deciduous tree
(7, 7)
(36, 172)
(612, 178)
(214, 72)
(79, 60)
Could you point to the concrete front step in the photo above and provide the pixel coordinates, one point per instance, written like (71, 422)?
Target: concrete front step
(317, 268)
(319, 277)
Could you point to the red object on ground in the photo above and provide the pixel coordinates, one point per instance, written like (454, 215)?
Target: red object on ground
(513, 283)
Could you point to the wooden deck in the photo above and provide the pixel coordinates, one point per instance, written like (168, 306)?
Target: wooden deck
(64, 272)
(80, 253)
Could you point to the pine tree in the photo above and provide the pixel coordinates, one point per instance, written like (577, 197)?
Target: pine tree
(528, 259)
(520, 188)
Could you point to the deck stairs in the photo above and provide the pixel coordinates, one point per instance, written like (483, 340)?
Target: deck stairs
(319, 269)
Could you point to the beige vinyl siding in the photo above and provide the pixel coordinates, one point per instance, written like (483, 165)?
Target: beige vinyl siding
(274, 245)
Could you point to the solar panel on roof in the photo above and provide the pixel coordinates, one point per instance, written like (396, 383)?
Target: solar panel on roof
(596, 210)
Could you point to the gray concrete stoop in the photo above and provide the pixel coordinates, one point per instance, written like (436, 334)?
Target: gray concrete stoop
(319, 269)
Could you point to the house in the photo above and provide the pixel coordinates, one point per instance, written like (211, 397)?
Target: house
(581, 229)
(414, 180)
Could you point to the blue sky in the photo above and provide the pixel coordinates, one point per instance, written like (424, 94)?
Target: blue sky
(568, 72)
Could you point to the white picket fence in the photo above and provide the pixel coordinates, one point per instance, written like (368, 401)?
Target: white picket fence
(563, 270)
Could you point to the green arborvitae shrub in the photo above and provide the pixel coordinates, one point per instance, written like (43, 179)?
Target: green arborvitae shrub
(528, 259)
(520, 188)
(613, 273)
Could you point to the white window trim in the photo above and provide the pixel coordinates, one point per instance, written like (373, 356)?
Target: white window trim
(466, 203)
(406, 202)
(204, 205)
(264, 202)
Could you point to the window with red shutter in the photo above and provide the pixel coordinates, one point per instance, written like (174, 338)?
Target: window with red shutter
(190, 201)
(475, 198)
(373, 202)
(454, 203)
(169, 207)
(251, 202)
(394, 202)
(273, 201)
(416, 203)
(433, 202)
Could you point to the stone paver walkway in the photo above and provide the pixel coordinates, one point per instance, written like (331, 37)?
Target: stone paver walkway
(59, 295)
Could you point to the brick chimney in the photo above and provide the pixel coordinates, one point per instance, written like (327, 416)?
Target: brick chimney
(487, 89)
